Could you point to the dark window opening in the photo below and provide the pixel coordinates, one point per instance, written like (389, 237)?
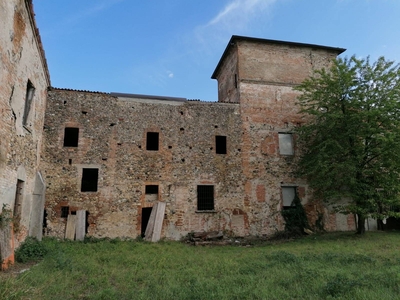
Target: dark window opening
(151, 189)
(18, 199)
(73, 212)
(152, 141)
(44, 220)
(64, 211)
(89, 180)
(220, 144)
(70, 161)
(205, 197)
(30, 91)
(71, 137)
(146, 211)
(87, 222)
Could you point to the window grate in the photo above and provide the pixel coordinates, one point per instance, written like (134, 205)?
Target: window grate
(205, 197)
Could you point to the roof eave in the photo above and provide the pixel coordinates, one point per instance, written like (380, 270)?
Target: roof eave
(235, 38)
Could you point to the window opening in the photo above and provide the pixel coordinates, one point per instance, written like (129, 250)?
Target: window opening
(89, 180)
(286, 144)
(151, 189)
(288, 194)
(152, 141)
(30, 91)
(220, 144)
(151, 192)
(146, 211)
(44, 221)
(64, 211)
(18, 200)
(205, 197)
(71, 137)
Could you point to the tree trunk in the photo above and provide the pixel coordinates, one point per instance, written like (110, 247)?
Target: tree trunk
(360, 224)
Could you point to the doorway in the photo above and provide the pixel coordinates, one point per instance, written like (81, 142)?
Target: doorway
(146, 211)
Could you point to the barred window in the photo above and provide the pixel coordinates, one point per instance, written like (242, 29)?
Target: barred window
(205, 197)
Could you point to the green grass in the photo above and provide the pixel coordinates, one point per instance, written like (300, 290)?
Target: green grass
(330, 266)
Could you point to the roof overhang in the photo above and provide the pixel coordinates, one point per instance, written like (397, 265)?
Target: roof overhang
(236, 38)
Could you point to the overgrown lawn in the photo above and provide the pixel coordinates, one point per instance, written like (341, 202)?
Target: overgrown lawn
(329, 266)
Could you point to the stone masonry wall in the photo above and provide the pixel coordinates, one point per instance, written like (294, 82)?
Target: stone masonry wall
(112, 137)
(21, 60)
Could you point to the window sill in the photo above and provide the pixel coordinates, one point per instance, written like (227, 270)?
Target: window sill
(206, 211)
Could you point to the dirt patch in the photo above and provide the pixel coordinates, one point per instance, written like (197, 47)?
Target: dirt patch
(17, 269)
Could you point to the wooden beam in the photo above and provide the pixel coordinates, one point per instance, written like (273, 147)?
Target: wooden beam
(150, 224)
(71, 225)
(80, 225)
(158, 222)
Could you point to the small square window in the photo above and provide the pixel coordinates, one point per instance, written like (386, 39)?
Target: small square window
(64, 211)
(151, 189)
(205, 197)
(90, 179)
(286, 144)
(71, 137)
(151, 192)
(220, 144)
(152, 141)
(288, 194)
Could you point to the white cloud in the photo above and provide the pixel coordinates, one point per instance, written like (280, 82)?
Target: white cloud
(239, 13)
(92, 10)
(237, 17)
(170, 75)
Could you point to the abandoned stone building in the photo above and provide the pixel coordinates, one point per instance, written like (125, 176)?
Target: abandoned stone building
(23, 90)
(214, 166)
(217, 166)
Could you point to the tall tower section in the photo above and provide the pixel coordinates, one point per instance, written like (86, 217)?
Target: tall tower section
(260, 75)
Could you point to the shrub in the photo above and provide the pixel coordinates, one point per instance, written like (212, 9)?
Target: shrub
(30, 250)
(295, 218)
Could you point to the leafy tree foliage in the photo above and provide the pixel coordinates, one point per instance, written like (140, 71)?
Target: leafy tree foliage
(351, 143)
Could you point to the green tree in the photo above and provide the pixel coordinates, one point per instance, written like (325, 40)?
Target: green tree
(351, 140)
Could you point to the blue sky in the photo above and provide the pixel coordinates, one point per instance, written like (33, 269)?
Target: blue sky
(171, 47)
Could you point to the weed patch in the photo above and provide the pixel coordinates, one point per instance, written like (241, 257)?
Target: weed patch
(30, 250)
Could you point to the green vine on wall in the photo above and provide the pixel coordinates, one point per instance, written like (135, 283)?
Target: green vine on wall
(5, 216)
